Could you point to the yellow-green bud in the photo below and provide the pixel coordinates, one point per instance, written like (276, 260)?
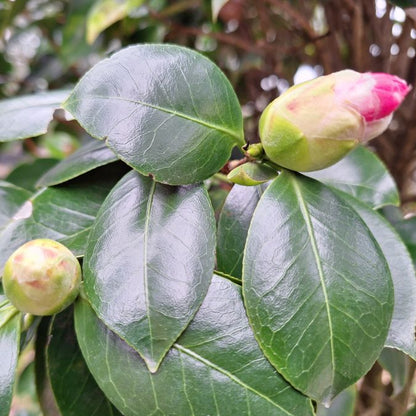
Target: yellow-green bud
(313, 125)
(41, 277)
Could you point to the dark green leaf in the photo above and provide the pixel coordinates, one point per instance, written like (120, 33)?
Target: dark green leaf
(363, 175)
(74, 43)
(12, 198)
(74, 389)
(215, 368)
(317, 287)
(404, 3)
(27, 174)
(396, 363)
(402, 328)
(10, 320)
(411, 412)
(85, 159)
(233, 226)
(149, 262)
(28, 115)
(165, 110)
(407, 231)
(63, 213)
(343, 405)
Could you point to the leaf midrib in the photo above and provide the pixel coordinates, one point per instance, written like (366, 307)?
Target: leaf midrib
(145, 274)
(307, 217)
(237, 137)
(232, 377)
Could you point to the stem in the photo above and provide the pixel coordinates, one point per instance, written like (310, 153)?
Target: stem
(222, 177)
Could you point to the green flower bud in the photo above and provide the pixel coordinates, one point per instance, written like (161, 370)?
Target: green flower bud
(313, 125)
(41, 277)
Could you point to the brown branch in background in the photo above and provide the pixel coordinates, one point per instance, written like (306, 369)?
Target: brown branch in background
(401, 400)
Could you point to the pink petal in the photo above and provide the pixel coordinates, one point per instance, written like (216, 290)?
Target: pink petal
(387, 94)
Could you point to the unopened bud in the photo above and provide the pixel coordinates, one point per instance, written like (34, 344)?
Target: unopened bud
(315, 124)
(42, 277)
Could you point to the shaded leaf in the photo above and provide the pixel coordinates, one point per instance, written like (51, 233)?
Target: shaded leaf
(27, 174)
(29, 115)
(74, 43)
(362, 175)
(63, 213)
(165, 110)
(343, 404)
(233, 226)
(74, 389)
(104, 13)
(215, 368)
(396, 363)
(149, 262)
(12, 197)
(316, 285)
(90, 156)
(407, 231)
(10, 320)
(402, 329)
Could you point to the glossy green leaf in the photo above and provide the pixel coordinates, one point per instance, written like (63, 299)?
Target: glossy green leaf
(104, 13)
(216, 6)
(28, 115)
(73, 387)
(396, 363)
(233, 226)
(252, 174)
(316, 285)
(343, 404)
(10, 320)
(90, 156)
(149, 262)
(361, 174)
(215, 368)
(64, 213)
(165, 110)
(12, 197)
(27, 174)
(402, 328)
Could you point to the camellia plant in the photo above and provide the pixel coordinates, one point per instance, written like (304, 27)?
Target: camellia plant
(276, 307)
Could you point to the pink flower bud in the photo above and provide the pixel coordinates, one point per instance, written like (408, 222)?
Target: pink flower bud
(313, 125)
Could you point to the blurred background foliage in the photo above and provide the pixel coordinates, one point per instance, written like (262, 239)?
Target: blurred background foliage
(263, 46)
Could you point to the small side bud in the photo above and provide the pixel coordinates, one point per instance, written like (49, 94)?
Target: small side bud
(42, 277)
(251, 174)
